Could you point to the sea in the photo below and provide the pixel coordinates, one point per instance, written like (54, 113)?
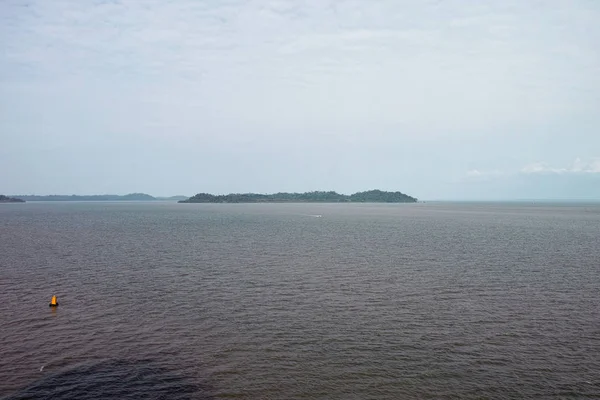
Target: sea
(159, 300)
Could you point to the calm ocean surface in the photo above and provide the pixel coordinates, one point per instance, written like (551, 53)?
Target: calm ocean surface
(270, 301)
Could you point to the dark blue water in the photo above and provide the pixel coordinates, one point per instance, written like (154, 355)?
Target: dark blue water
(292, 301)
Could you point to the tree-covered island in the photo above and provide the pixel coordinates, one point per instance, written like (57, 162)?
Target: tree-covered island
(6, 199)
(370, 196)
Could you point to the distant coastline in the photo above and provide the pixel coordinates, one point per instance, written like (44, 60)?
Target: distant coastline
(370, 196)
(8, 199)
(98, 197)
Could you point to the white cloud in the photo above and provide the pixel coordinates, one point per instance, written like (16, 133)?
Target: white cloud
(477, 175)
(334, 63)
(578, 166)
(536, 167)
(474, 173)
(480, 173)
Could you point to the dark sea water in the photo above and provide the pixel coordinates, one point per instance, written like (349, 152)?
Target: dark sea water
(269, 301)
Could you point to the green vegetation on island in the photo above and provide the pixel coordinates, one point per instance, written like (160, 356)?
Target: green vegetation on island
(6, 199)
(371, 196)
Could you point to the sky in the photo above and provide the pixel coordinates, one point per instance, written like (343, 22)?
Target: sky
(442, 100)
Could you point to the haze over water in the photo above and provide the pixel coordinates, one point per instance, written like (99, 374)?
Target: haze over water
(370, 301)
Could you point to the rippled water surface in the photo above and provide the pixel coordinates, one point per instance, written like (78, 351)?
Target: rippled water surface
(299, 301)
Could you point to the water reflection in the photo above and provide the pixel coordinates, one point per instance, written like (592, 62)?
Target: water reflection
(116, 379)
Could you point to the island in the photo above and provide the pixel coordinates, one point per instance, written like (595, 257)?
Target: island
(95, 197)
(6, 199)
(370, 196)
(98, 197)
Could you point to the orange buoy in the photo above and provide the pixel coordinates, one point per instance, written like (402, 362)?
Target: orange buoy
(53, 302)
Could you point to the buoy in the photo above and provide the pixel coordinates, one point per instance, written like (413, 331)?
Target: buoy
(53, 302)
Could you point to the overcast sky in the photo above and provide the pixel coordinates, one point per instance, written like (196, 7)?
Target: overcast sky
(438, 99)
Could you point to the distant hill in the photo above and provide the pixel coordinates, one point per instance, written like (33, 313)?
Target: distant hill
(173, 198)
(97, 197)
(371, 196)
(6, 199)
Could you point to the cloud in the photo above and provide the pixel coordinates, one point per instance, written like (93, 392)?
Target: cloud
(592, 166)
(326, 62)
(577, 167)
(475, 173)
